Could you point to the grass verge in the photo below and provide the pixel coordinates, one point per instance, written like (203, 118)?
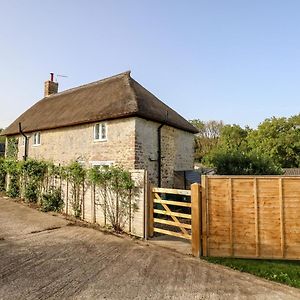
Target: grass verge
(286, 272)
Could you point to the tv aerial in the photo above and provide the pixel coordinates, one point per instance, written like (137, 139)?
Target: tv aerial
(61, 76)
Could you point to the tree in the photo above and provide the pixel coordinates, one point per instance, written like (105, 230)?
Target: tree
(279, 138)
(235, 155)
(233, 137)
(207, 138)
(235, 162)
(273, 145)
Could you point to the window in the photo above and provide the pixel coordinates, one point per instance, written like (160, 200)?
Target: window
(100, 132)
(101, 163)
(36, 138)
(22, 141)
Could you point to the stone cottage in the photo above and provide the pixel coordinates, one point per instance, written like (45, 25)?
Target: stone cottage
(110, 121)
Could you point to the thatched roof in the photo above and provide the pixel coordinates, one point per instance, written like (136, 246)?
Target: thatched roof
(115, 97)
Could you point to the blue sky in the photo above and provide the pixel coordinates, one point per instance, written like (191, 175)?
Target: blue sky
(236, 61)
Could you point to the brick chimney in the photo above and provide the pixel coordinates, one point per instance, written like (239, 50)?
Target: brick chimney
(51, 87)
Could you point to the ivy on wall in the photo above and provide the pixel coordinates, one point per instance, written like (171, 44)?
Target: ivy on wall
(12, 148)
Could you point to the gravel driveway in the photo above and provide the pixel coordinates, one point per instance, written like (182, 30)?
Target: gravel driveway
(42, 257)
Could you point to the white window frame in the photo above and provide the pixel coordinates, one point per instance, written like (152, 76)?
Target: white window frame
(101, 163)
(100, 138)
(34, 143)
(22, 141)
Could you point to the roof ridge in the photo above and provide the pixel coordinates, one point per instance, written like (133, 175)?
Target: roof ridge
(114, 97)
(133, 92)
(126, 73)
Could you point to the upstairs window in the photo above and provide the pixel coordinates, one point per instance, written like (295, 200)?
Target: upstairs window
(100, 132)
(36, 138)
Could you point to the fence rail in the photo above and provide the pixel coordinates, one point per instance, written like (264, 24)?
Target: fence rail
(171, 191)
(168, 211)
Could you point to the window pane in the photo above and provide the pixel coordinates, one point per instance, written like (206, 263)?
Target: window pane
(37, 138)
(96, 132)
(103, 132)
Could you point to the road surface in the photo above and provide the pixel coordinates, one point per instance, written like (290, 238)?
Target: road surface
(43, 257)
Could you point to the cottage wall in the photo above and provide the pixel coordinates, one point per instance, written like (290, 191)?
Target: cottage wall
(77, 143)
(131, 142)
(176, 150)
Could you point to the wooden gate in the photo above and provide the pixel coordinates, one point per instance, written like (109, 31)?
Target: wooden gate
(166, 215)
(181, 222)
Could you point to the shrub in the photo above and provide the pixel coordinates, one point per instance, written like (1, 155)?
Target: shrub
(12, 167)
(33, 172)
(34, 169)
(52, 200)
(31, 191)
(13, 190)
(234, 162)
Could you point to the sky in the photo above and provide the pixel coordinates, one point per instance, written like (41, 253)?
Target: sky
(234, 60)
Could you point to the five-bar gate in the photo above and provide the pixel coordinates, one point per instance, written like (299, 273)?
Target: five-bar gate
(167, 213)
(177, 213)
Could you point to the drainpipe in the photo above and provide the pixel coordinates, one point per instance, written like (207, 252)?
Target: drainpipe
(159, 153)
(26, 142)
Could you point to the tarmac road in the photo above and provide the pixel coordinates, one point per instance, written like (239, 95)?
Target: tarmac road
(41, 257)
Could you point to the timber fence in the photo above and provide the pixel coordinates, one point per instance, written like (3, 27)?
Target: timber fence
(251, 216)
(233, 216)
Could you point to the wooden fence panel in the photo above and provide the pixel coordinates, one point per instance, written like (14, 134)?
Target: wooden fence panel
(269, 217)
(243, 217)
(218, 218)
(251, 216)
(291, 217)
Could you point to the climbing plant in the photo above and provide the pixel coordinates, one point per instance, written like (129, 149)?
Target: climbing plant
(12, 148)
(12, 168)
(33, 174)
(116, 188)
(41, 182)
(75, 173)
(2, 175)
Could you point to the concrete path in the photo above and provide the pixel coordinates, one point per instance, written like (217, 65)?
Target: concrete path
(41, 257)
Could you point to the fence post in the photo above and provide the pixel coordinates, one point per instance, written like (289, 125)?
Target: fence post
(83, 200)
(196, 215)
(151, 208)
(204, 215)
(93, 198)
